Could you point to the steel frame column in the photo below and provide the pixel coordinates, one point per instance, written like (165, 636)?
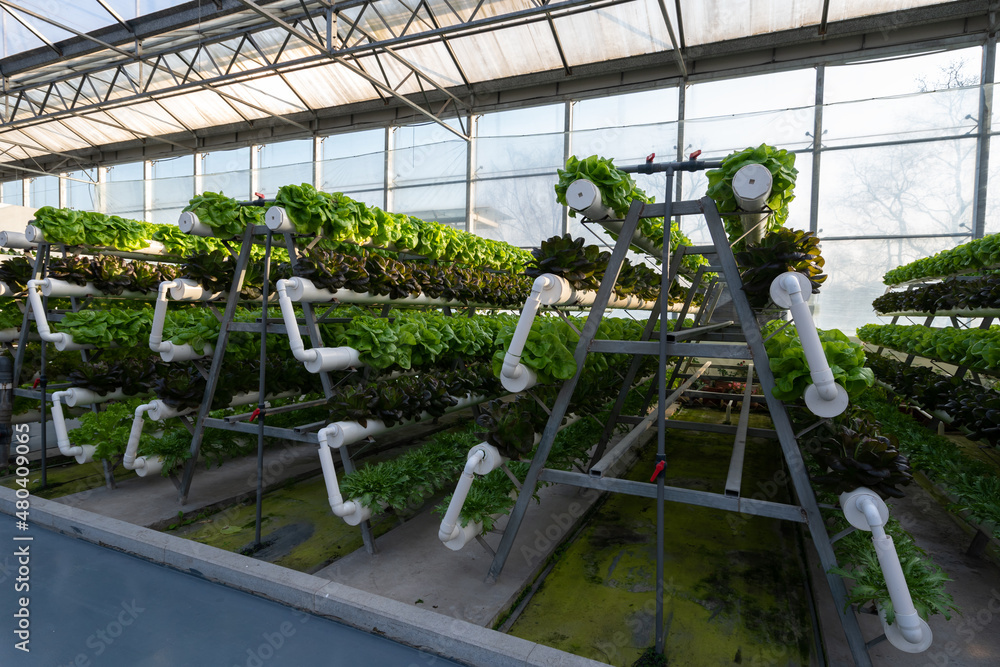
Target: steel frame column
(983, 136)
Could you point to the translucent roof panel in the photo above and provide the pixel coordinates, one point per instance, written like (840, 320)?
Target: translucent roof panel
(204, 64)
(617, 27)
(708, 21)
(81, 15)
(849, 9)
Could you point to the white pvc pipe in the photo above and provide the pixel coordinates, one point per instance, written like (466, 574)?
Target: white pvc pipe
(62, 341)
(352, 511)
(190, 224)
(71, 398)
(824, 397)
(547, 289)
(316, 360)
(170, 352)
(56, 287)
(16, 240)
(33, 234)
(147, 465)
(83, 454)
(277, 220)
(304, 290)
(751, 188)
(585, 197)
(185, 289)
(75, 396)
(907, 619)
(866, 511)
(482, 459)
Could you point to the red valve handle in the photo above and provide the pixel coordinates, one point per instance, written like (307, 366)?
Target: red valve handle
(657, 470)
(695, 154)
(254, 414)
(258, 195)
(35, 383)
(649, 158)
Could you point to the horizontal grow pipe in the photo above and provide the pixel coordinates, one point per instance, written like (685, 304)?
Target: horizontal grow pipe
(154, 250)
(824, 397)
(190, 224)
(170, 351)
(866, 511)
(340, 434)
(482, 459)
(56, 288)
(72, 397)
(318, 359)
(16, 241)
(62, 341)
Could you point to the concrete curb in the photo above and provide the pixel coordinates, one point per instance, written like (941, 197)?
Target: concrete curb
(423, 629)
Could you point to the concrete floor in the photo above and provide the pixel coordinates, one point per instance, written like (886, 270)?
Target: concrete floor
(414, 567)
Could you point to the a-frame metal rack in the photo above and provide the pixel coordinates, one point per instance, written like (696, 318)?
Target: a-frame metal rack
(242, 423)
(708, 341)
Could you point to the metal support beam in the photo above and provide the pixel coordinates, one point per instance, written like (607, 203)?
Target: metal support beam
(734, 479)
(985, 126)
(676, 495)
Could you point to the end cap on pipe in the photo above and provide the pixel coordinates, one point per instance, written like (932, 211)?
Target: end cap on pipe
(894, 633)
(170, 352)
(333, 359)
(357, 514)
(277, 220)
(148, 465)
(822, 407)
(585, 197)
(852, 507)
(490, 461)
(86, 455)
(752, 187)
(33, 234)
(521, 379)
(190, 224)
(463, 535)
(780, 295)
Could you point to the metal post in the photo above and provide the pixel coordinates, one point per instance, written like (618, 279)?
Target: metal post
(43, 381)
(470, 175)
(262, 387)
(6, 408)
(661, 418)
(983, 136)
(567, 152)
(816, 148)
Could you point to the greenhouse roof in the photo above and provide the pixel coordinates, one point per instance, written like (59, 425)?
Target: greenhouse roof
(98, 72)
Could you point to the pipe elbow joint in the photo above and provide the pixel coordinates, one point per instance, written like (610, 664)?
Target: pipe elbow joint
(517, 377)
